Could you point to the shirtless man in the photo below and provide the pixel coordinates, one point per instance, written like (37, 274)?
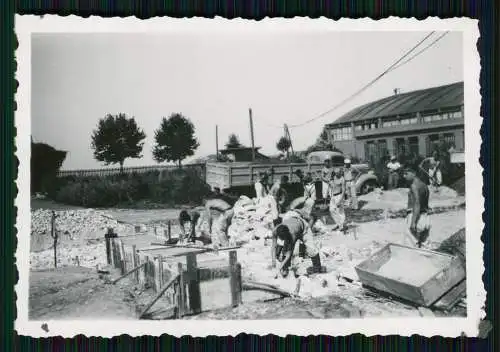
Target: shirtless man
(218, 222)
(418, 207)
(293, 227)
(279, 193)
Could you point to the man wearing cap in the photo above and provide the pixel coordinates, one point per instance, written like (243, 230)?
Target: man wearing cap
(393, 167)
(418, 220)
(350, 187)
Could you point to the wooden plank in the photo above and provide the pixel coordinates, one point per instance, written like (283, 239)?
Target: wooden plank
(157, 297)
(123, 258)
(156, 274)
(160, 270)
(452, 297)
(134, 270)
(181, 307)
(193, 284)
(234, 279)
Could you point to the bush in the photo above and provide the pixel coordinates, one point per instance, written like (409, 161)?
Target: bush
(182, 186)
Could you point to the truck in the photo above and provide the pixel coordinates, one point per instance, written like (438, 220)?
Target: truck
(239, 177)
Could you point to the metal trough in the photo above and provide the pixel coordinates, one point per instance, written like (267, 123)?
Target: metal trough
(417, 275)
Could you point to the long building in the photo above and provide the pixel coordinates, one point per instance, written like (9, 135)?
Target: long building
(413, 122)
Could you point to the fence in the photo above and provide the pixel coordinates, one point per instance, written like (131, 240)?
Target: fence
(137, 169)
(174, 277)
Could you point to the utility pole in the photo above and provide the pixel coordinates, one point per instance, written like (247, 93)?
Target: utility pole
(251, 134)
(216, 142)
(289, 137)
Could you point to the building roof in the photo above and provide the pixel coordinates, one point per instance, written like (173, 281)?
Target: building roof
(237, 149)
(442, 97)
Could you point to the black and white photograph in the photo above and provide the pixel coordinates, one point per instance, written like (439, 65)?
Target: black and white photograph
(197, 177)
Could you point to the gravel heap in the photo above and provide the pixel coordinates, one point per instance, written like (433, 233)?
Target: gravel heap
(80, 235)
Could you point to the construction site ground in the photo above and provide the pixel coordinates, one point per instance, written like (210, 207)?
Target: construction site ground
(79, 292)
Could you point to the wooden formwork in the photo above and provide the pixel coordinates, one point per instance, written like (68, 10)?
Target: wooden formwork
(181, 269)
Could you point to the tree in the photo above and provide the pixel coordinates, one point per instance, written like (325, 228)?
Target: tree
(45, 163)
(233, 141)
(323, 144)
(175, 139)
(116, 139)
(284, 145)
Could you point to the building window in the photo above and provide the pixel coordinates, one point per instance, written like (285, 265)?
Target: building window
(413, 146)
(342, 134)
(449, 139)
(455, 115)
(414, 120)
(371, 152)
(381, 149)
(358, 127)
(400, 147)
(432, 143)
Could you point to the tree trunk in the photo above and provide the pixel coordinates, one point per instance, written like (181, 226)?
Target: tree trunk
(180, 164)
(121, 167)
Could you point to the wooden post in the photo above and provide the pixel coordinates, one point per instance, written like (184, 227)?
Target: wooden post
(160, 270)
(193, 284)
(123, 258)
(54, 235)
(113, 253)
(108, 236)
(147, 282)
(169, 230)
(137, 229)
(181, 292)
(251, 134)
(135, 263)
(216, 142)
(234, 279)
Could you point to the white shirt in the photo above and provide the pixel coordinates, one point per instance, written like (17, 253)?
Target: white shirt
(260, 191)
(393, 166)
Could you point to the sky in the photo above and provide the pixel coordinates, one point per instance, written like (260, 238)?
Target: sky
(214, 78)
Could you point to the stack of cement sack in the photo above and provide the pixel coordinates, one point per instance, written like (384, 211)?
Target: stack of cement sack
(252, 220)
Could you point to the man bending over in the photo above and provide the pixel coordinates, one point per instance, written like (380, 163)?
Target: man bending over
(293, 228)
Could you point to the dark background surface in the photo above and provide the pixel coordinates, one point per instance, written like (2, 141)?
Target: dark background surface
(484, 10)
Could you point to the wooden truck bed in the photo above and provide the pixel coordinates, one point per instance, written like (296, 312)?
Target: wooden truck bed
(240, 174)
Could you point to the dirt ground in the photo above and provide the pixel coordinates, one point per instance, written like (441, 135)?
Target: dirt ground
(77, 293)
(73, 292)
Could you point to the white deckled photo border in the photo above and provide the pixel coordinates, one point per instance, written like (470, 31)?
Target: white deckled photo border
(446, 327)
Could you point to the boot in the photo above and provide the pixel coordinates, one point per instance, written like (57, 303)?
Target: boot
(316, 263)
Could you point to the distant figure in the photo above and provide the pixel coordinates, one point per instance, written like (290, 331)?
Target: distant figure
(309, 193)
(293, 227)
(418, 220)
(350, 186)
(190, 217)
(435, 175)
(261, 188)
(393, 167)
(326, 176)
(279, 193)
(337, 193)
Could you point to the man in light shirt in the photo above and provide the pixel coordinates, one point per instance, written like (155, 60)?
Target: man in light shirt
(326, 176)
(393, 166)
(350, 186)
(261, 188)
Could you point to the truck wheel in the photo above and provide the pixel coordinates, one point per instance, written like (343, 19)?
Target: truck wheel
(368, 187)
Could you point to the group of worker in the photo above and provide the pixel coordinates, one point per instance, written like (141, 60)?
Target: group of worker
(432, 171)
(294, 222)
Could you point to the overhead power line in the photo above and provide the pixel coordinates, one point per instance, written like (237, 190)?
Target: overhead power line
(421, 51)
(398, 63)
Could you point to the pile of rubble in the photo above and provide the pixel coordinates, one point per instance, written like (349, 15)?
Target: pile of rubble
(80, 237)
(72, 226)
